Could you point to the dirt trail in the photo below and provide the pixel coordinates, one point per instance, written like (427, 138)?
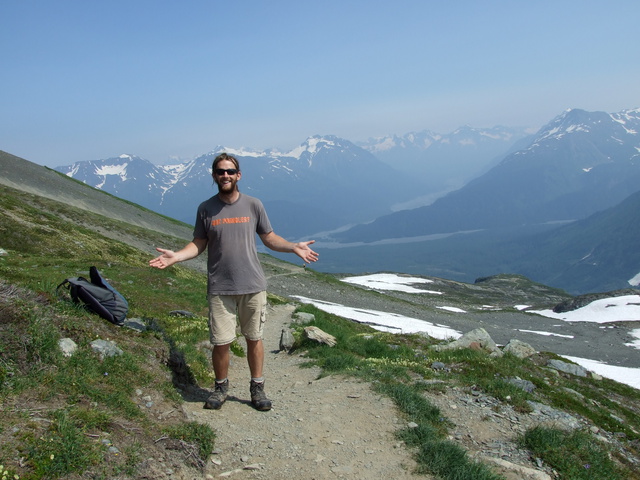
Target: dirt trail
(335, 427)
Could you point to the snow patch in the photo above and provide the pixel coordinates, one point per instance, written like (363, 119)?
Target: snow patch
(452, 309)
(547, 334)
(635, 343)
(390, 281)
(383, 321)
(120, 170)
(626, 375)
(605, 310)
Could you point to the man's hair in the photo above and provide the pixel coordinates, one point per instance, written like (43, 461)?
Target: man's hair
(225, 156)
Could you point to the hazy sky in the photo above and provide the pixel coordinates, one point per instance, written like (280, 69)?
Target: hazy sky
(86, 80)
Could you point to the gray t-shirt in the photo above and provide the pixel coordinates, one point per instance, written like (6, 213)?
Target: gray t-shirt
(230, 229)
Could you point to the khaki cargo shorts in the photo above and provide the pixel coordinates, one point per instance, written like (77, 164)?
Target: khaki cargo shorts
(226, 311)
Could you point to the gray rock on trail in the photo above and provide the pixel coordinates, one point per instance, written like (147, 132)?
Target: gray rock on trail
(286, 340)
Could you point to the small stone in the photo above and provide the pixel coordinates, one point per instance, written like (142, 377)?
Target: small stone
(67, 346)
(438, 366)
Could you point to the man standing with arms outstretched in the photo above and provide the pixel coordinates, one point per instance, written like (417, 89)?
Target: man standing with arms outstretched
(226, 226)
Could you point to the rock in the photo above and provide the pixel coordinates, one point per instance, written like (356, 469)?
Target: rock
(286, 340)
(302, 317)
(136, 324)
(570, 368)
(525, 385)
(477, 339)
(438, 366)
(181, 313)
(524, 473)
(519, 349)
(67, 346)
(574, 393)
(553, 416)
(314, 333)
(105, 348)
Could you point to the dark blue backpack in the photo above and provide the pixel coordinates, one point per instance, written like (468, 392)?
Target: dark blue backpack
(97, 296)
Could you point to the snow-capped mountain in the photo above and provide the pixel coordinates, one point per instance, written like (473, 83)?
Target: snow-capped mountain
(126, 176)
(579, 163)
(323, 184)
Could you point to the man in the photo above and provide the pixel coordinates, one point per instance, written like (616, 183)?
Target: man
(226, 226)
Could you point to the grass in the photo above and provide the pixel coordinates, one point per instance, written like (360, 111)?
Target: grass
(575, 454)
(198, 436)
(62, 448)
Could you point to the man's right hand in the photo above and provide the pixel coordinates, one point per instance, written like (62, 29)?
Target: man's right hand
(165, 260)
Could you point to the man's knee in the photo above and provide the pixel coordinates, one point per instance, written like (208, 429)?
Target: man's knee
(221, 349)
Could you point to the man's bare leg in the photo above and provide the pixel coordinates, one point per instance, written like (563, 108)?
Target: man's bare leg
(220, 360)
(255, 357)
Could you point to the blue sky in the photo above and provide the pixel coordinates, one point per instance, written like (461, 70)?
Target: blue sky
(86, 80)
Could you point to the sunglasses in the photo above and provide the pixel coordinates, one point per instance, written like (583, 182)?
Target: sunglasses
(228, 171)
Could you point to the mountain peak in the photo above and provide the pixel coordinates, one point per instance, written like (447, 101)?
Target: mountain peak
(577, 121)
(315, 144)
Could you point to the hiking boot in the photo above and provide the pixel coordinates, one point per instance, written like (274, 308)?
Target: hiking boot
(258, 398)
(219, 395)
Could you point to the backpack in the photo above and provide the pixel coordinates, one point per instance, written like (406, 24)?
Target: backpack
(97, 296)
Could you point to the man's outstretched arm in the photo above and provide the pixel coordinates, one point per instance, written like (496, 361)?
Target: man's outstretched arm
(277, 243)
(169, 257)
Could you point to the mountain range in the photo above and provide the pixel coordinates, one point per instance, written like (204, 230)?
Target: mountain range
(324, 184)
(579, 163)
(528, 213)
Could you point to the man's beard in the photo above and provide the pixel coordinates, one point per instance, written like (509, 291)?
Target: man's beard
(227, 187)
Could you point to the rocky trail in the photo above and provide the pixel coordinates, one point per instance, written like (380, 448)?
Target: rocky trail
(333, 427)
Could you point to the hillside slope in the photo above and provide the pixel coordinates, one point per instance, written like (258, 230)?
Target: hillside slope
(29, 177)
